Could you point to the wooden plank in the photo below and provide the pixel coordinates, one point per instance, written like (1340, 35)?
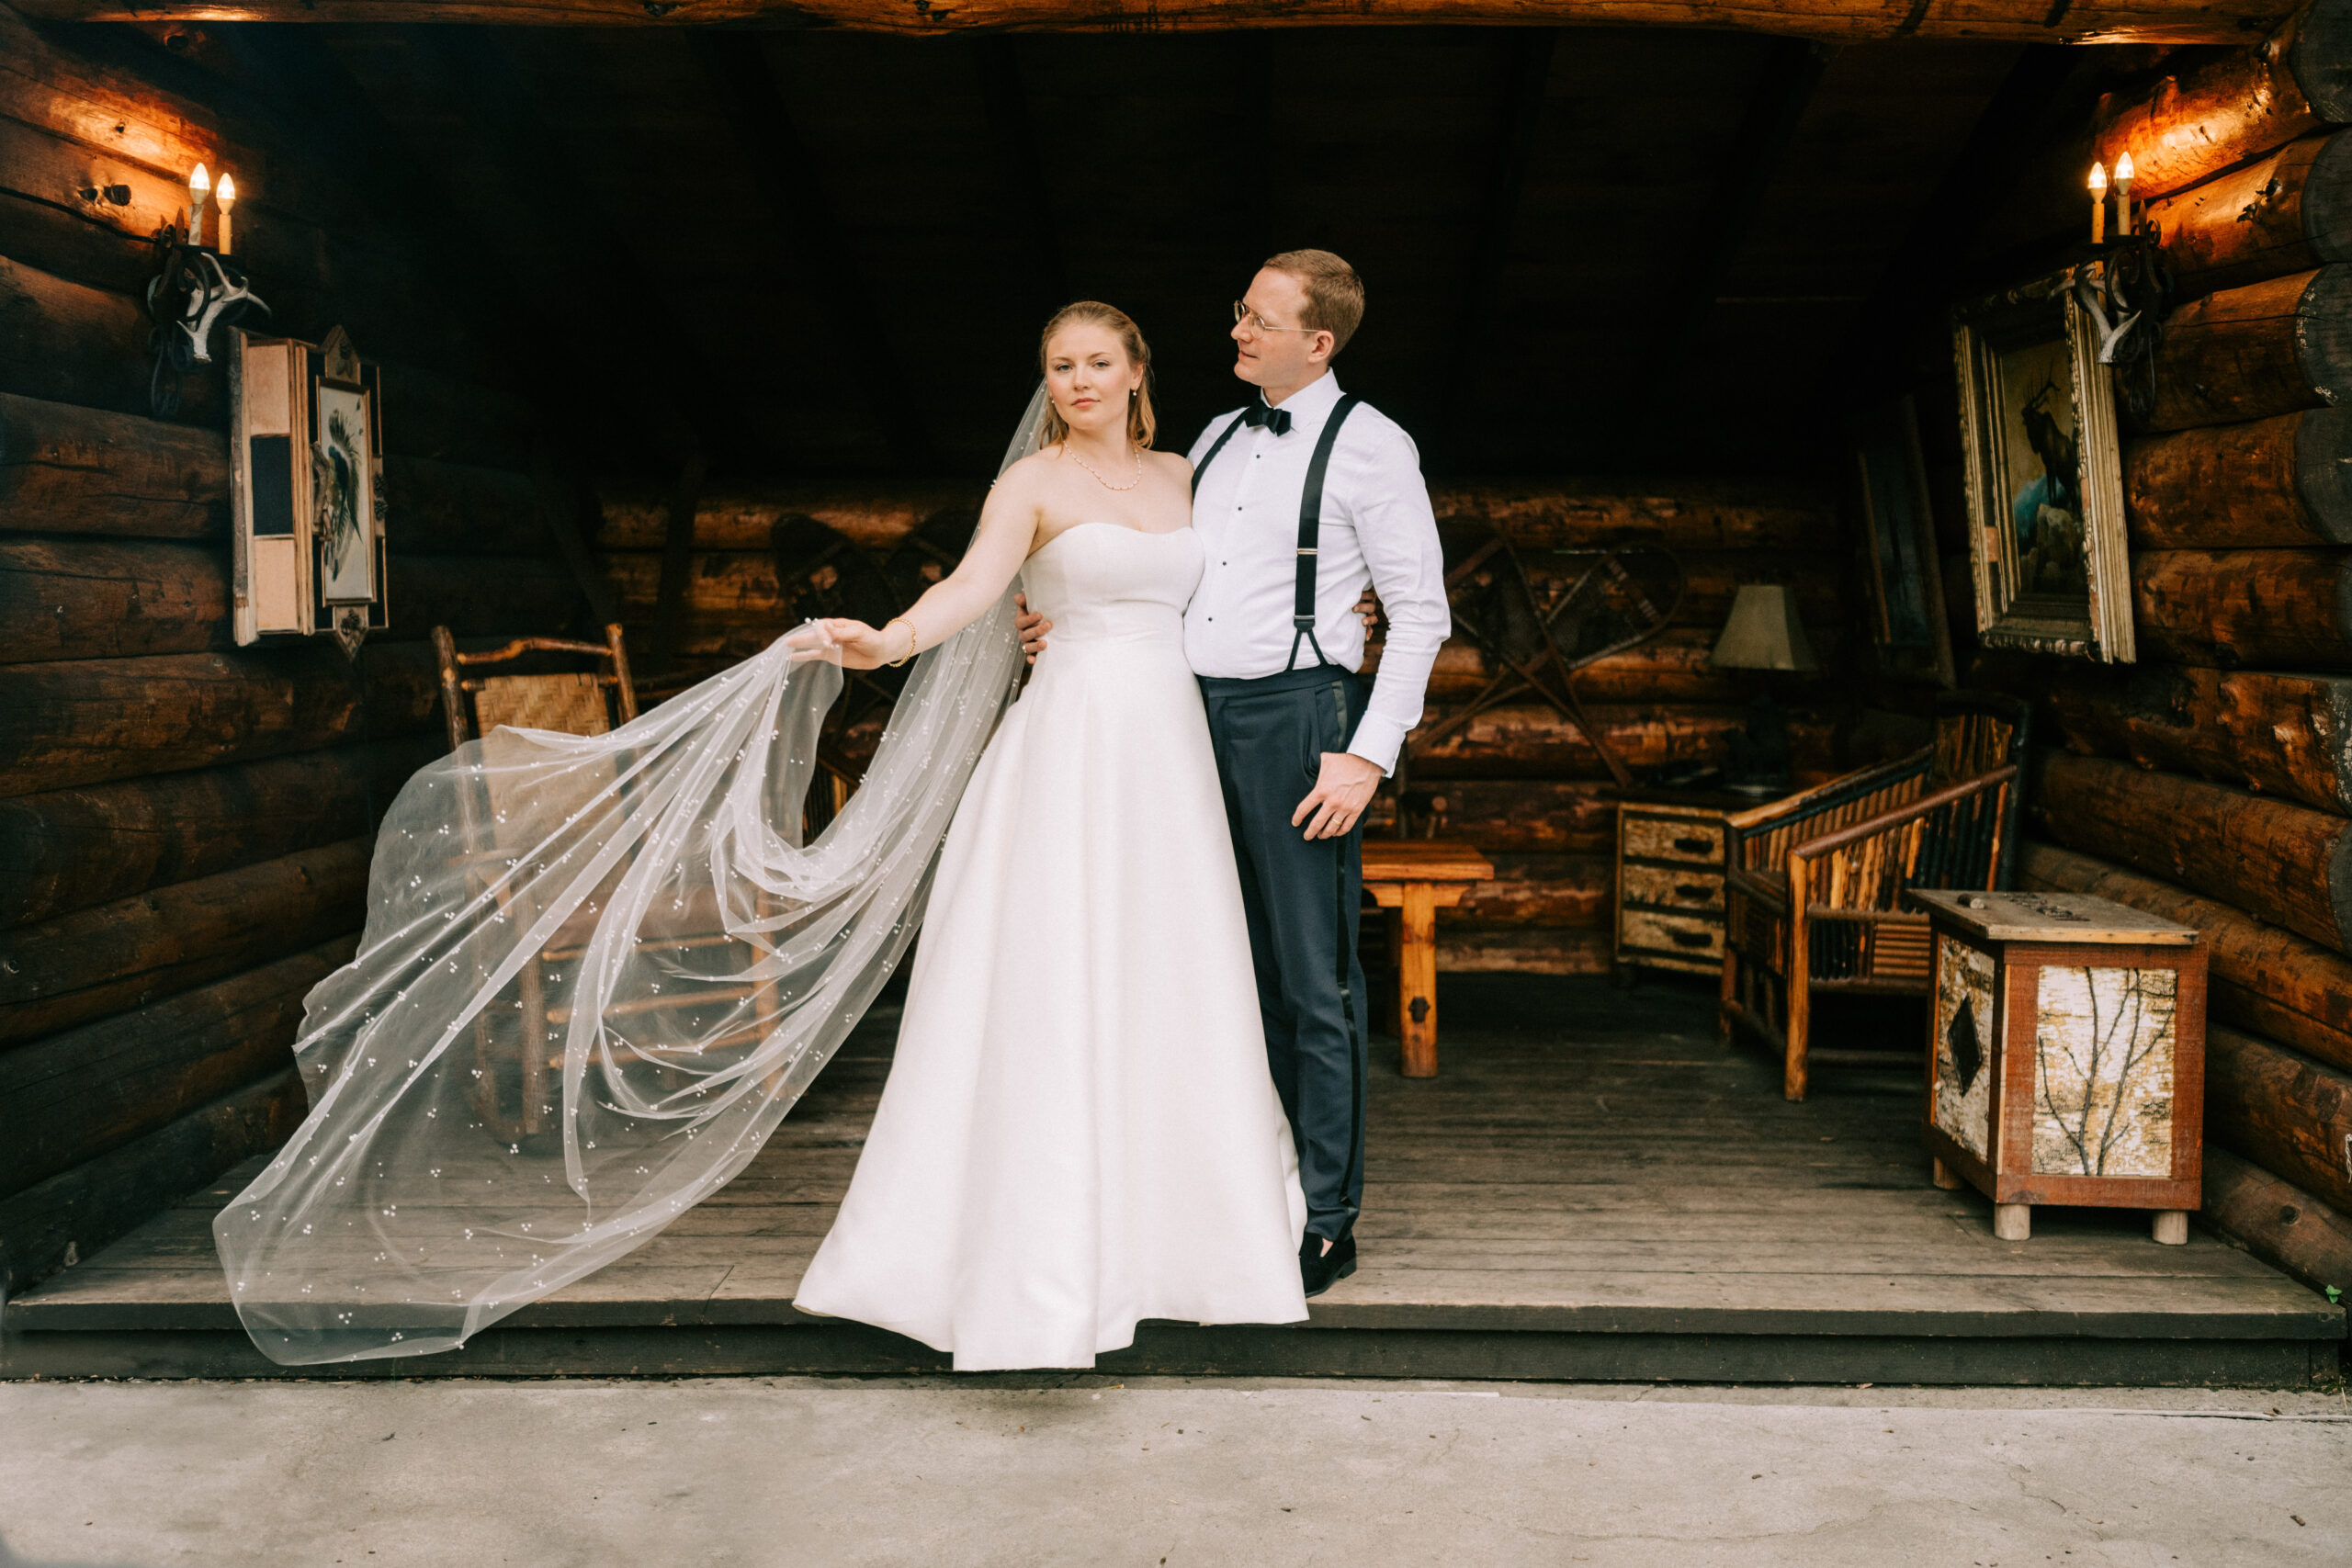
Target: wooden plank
(1521, 816)
(2262, 979)
(77, 1213)
(92, 721)
(2278, 482)
(2289, 609)
(2025, 21)
(2286, 1112)
(81, 1094)
(2060, 916)
(2284, 863)
(1525, 739)
(66, 342)
(110, 599)
(100, 961)
(2288, 736)
(70, 849)
(2281, 214)
(2249, 353)
(2278, 1221)
(74, 470)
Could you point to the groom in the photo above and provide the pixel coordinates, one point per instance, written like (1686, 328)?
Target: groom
(1301, 498)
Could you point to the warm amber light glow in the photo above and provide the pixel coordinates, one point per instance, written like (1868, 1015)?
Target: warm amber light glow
(201, 181)
(2123, 170)
(228, 192)
(2098, 179)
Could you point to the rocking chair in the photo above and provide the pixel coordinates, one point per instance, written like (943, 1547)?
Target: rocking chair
(1814, 883)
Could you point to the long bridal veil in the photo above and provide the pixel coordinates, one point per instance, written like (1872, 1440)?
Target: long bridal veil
(596, 972)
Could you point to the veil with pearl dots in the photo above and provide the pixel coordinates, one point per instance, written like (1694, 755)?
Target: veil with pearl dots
(596, 972)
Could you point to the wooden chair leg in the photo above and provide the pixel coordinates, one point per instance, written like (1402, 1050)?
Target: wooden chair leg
(1799, 980)
(1728, 996)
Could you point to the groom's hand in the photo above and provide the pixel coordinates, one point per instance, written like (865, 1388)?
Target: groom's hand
(1030, 627)
(1342, 790)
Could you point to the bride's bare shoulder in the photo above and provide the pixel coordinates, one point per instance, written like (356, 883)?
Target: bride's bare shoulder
(1173, 463)
(1026, 476)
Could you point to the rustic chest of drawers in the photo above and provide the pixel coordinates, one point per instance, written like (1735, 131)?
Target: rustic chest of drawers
(1670, 878)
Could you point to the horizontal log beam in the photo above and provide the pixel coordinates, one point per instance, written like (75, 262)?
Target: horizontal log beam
(75, 1213)
(2288, 736)
(1520, 741)
(1539, 949)
(2285, 481)
(1571, 816)
(91, 721)
(2021, 21)
(2287, 1113)
(67, 343)
(1683, 514)
(2221, 110)
(2285, 865)
(2289, 609)
(2239, 354)
(2278, 1221)
(78, 1095)
(71, 848)
(111, 599)
(65, 469)
(2262, 978)
(95, 962)
(2287, 212)
(1538, 890)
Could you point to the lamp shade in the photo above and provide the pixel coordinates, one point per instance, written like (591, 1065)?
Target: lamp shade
(1763, 632)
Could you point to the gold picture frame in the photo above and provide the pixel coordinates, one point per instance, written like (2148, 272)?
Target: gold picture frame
(2045, 473)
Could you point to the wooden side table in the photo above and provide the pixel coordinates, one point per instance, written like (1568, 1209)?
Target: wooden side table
(2066, 1054)
(1416, 878)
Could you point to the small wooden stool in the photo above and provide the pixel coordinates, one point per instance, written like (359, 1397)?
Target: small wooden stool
(2066, 1056)
(1416, 878)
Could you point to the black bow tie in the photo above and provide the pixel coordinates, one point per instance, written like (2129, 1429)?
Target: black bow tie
(1275, 420)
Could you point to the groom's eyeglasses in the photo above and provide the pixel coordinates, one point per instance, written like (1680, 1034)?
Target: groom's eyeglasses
(1257, 323)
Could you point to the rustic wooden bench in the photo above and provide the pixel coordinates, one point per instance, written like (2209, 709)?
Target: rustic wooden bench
(1415, 877)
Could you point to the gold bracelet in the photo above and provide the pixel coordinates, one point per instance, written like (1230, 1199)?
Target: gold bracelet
(912, 639)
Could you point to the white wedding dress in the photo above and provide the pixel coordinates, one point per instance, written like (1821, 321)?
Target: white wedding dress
(1079, 1130)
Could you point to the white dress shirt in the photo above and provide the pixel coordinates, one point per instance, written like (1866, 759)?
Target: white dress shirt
(1377, 528)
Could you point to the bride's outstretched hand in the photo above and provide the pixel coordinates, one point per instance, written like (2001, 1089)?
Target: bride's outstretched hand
(852, 644)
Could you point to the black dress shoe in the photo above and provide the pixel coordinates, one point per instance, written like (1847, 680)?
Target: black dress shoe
(1319, 1270)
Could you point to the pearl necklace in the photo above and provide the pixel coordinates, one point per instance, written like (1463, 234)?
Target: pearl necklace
(1069, 452)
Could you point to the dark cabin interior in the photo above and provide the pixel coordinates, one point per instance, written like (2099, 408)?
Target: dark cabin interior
(652, 303)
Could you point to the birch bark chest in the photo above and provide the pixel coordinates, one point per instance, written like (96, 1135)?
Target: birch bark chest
(2066, 1055)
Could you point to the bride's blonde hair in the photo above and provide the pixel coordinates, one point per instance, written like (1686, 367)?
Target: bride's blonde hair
(1142, 424)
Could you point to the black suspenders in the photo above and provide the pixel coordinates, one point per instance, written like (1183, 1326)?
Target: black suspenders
(1310, 522)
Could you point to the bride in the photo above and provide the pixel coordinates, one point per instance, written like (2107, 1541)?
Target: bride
(599, 970)
(1080, 1129)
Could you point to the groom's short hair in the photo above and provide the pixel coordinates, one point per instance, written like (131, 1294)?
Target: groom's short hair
(1334, 292)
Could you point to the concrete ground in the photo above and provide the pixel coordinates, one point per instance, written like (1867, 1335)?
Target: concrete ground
(807, 1472)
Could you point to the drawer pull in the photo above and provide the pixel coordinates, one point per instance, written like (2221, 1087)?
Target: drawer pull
(1695, 846)
(1693, 891)
(1692, 939)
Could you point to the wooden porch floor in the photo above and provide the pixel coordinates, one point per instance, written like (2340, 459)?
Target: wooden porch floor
(1592, 1188)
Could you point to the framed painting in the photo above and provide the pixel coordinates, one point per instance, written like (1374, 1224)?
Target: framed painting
(2045, 478)
(1907, 590)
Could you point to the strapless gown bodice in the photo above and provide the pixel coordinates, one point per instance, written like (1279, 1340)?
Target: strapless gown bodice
(1105, 582)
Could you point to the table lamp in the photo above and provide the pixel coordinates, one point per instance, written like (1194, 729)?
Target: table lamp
(1762, 632)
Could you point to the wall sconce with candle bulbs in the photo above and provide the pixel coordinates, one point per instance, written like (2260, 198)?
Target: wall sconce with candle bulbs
(196, 289)
(2121, 277)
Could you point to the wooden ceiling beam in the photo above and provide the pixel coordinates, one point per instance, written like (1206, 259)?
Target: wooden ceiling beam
(1845, 21)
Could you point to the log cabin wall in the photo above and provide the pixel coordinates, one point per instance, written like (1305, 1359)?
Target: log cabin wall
(184, 825)
(1519, 781)
(2212, 781)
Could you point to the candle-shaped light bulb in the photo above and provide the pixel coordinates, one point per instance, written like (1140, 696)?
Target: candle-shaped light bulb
(199, 186)
(2099, 203)
(2123, 224)
(228, 200)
